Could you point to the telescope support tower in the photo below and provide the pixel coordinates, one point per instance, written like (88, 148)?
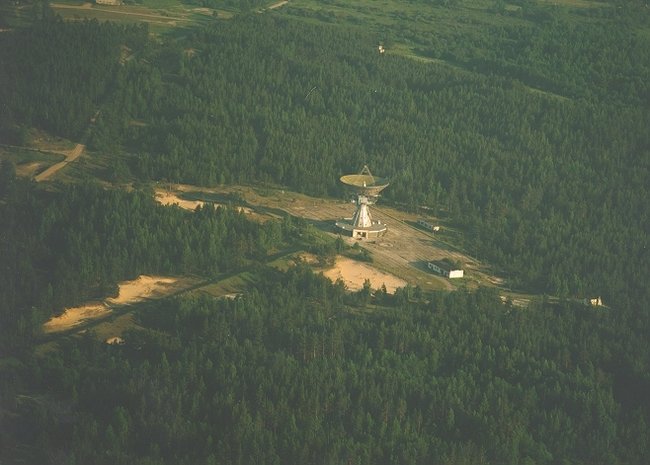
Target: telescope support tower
(367, 189)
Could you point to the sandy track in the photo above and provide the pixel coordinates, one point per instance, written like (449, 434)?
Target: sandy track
(71, 156)
(278, 5)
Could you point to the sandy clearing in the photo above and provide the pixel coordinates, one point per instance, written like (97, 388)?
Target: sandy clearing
(354, 274)
(167, 198)
(143, 287)
(74, 316)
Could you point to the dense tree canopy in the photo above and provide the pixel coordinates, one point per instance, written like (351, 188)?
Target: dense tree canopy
(290, 373)
(61, 249)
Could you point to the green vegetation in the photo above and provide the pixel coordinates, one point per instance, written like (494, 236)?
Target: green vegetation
(19, 156)
(62, 249)
(540, 183)
(524, 123)
(291, 373)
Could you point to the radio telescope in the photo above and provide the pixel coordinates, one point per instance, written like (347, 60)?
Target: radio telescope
(367, 188)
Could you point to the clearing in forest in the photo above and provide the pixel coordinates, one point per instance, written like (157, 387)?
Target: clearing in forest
(403, 252)
(169, 198)
(141, 288)
(354, 274)
(188, 198)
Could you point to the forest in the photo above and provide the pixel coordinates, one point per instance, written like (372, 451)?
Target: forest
(547, 173)
(61, 249)
(530, 135)
(296, 371)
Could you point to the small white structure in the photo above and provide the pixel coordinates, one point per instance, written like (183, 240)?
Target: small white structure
(108, 2)
(381, 49)
(595, 302)
(446, 268)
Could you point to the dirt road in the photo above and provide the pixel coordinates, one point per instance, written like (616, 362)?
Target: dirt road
(71, 156)
(278, 5)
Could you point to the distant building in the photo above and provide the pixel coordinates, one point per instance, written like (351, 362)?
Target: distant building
(108, 2)
(595, 302)
(428, 226)
(446, 268)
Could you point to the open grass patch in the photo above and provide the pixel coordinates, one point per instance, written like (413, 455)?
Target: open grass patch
(231, 286)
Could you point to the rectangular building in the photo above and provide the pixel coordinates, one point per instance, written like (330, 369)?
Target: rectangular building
(428, 226)
(446, 268)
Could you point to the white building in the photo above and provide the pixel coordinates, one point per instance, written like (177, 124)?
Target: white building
(595, 302)
(446, 268)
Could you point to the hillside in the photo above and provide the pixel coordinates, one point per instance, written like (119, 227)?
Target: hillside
(521, 127)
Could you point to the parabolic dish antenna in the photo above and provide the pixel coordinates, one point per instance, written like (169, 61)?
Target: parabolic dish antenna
(365, 183)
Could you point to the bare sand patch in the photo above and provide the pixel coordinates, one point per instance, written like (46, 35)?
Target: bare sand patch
(74, 316)
(143, 287)
(354, 274)
(168, 198)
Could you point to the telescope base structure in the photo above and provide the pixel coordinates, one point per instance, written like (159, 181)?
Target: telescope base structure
(367, 232)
